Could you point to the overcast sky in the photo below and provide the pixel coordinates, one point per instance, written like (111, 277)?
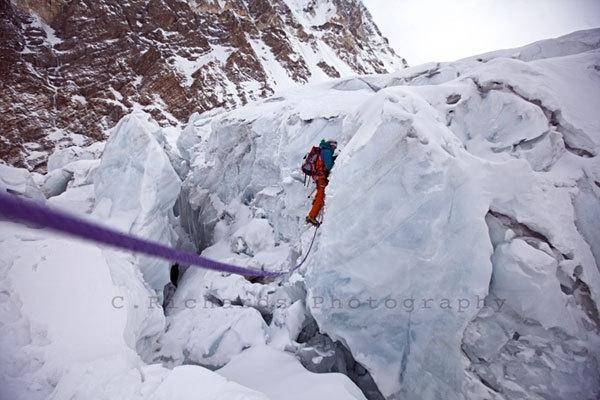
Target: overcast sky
(446, 30)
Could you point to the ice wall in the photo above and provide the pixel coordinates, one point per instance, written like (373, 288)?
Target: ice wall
(136, 188)
(412, 220)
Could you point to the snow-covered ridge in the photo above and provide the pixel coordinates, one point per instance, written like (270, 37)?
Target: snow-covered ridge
(459, 256)
(574, 43)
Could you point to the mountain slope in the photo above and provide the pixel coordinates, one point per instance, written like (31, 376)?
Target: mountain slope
(71, 70)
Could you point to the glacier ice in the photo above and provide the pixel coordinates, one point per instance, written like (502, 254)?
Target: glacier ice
(411, 262)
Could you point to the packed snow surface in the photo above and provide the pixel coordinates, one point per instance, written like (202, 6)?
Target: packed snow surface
(458, 258)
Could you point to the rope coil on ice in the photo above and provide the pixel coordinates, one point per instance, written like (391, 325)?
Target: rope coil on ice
(28, 212)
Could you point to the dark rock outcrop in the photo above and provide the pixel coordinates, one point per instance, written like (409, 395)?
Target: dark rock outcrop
(71, 69)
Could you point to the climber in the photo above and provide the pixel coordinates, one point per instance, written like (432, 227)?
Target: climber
(322, 163)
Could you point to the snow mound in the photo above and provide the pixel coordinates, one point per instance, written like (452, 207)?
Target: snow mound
(293, 381)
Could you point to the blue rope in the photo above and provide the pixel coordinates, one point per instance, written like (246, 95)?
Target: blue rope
(27, 212)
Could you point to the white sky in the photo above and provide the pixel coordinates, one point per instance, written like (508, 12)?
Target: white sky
(446, 30)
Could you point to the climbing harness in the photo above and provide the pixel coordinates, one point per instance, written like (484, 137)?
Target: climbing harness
(27, 212)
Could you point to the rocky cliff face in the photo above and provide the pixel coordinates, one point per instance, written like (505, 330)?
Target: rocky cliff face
(71, 69)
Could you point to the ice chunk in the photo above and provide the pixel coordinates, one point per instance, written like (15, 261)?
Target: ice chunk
(136, 188)
(62, 157)
(409, 226)
(20, 182)
(523, 269)
(56, 182)
(209, 334)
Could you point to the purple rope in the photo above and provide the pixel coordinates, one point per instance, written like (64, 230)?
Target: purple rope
(38, 215)
(309, 248)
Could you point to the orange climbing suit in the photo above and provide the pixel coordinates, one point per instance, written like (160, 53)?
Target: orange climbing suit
(319, 201)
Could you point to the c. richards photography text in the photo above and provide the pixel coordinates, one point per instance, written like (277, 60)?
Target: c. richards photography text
(401, 303)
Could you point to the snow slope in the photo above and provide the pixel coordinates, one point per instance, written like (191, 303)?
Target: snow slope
(458, 257)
